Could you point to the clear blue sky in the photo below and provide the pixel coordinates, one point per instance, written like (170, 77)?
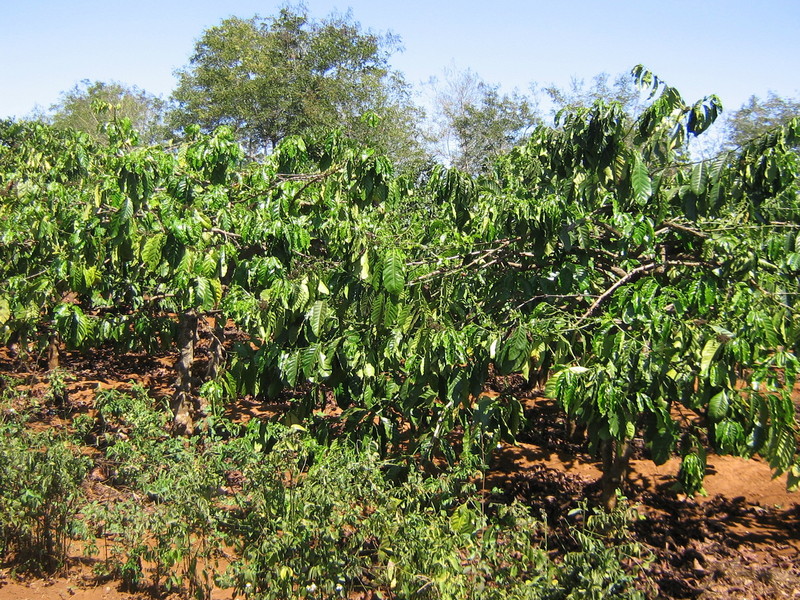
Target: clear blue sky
(733, 48)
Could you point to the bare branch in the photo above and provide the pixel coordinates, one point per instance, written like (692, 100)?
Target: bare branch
(685, 229)
(229, 234)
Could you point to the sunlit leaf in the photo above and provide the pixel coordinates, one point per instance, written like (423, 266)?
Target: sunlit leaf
(640, 181)
(394, 272)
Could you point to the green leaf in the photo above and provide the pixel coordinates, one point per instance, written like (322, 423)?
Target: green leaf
(390, 311)
(515, 351)
(729, 436)
(151, 251)
(691, 474)
(376, 311)
(291, 368)
(364, 262)
(640, 181)
(303, 295)
(204, 293)
(316, 316)
(394, 277)
(456, 386)
(73, 324)
(125, 211)
(5, 311)
(698, 179)
(309, 359)
(793, 478)
(216, 287)
(782, 449)
(463, 521)
(91, 276)
(708, 354)
(718, 406)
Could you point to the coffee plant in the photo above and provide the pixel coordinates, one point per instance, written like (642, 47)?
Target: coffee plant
(597, 259)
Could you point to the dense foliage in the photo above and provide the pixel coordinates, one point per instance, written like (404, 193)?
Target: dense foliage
(596, 258)
(269, 513)
(269, 78)
(89, 105)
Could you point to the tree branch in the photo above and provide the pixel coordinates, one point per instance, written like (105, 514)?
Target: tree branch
(632, 276)
(685, 229)
(225, 233)
(482, 257)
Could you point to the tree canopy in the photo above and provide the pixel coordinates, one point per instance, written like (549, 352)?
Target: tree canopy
(272, 77)
(90, 104)
(622, 89)
(756, 116)
(474, 122)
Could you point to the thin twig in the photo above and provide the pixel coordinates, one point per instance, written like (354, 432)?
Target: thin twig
(225, 233)
(554, 296)
(483, 256)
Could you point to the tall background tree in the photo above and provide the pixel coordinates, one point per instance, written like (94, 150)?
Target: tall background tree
(756, 116)
(473, 123)
(580, 94)
(269, 78)
(90, 105)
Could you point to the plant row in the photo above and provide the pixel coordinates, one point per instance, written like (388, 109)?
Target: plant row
(598, 258)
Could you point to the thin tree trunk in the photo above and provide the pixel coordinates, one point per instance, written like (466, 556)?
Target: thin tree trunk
(616, 458)
(52, 353)
(216, 360)
(182, 399)
(217, 350)
(542, 373)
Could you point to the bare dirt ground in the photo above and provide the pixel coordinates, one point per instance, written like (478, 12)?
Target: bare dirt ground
(740, 541)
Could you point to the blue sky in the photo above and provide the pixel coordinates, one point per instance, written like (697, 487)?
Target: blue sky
(732, 48)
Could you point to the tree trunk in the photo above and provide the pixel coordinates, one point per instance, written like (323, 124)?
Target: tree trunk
(217, 350)
(576, 431)
(216, 361)
(181, 404)
(616, 458)
(52, 353)
(541, 374)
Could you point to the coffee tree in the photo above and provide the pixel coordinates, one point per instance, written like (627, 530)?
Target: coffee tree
(654, 296)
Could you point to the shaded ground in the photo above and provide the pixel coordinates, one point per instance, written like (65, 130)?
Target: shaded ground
(740, 541)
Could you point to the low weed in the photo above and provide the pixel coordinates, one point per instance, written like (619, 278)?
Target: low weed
(40, 476)
(327, 522)
(274, 514)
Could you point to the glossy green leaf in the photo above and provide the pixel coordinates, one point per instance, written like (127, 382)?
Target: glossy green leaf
(317, 316)
(718, 406)
(5, 310)
(394, 277)
(708, 354)
(698, 179)
(640, 181)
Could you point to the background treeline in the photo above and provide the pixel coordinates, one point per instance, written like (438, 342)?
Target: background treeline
(292, 74)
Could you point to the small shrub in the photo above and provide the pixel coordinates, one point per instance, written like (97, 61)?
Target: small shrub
(40, 478)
